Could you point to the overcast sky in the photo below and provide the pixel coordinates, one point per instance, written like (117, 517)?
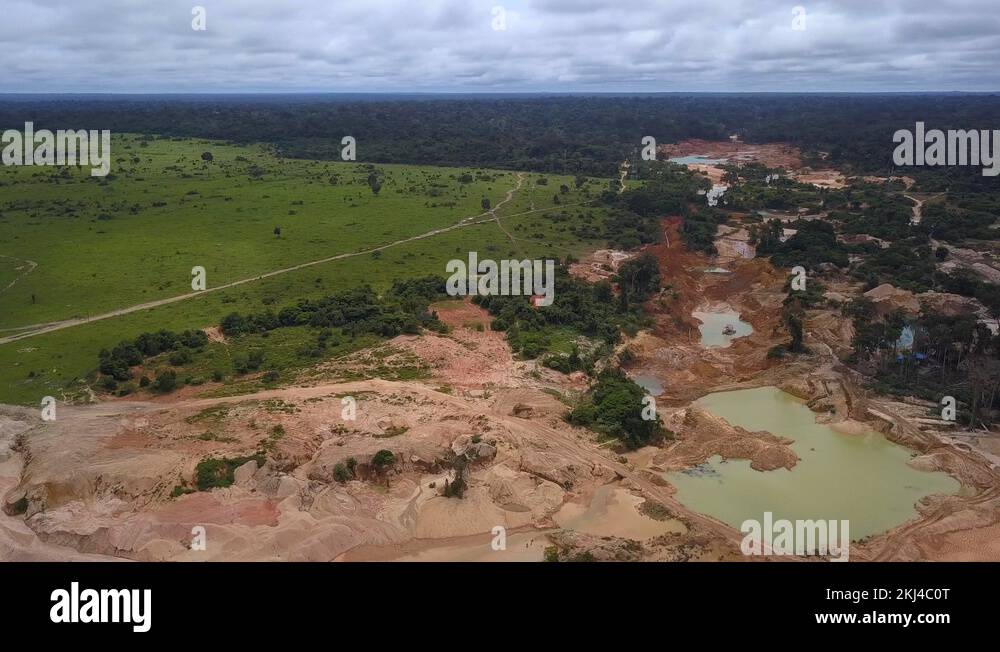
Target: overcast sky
(455, 45)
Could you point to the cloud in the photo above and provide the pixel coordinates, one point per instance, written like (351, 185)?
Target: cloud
(451, 45)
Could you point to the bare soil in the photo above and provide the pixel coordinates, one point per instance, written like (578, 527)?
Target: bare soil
(116, 479)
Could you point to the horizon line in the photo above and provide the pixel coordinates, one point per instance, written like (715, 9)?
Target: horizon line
(505, 92)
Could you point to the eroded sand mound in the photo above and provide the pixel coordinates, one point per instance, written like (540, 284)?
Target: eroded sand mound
(888, 298)
(310, 480)
(701, 435)
(105, 479)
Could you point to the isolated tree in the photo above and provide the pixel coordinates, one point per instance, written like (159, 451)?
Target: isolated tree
(207, 156)
(277, 231)
(382, 459)
(486, 203)
(793, 317)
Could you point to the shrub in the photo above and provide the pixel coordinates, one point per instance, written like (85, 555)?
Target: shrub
(614, 407)
(166, 381)
(382, 459)
(340, 473)
(218, 472)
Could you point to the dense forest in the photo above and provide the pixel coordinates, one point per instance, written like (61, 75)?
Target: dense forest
(567, 134)
(866, 230)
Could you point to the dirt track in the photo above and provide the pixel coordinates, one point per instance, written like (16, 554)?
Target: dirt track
(31, 265)
(99, 480)
(39, 329)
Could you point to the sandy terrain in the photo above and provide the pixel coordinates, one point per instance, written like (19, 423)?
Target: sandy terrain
(600, 265)
(772, 155)
(99, 479)
(116, 479)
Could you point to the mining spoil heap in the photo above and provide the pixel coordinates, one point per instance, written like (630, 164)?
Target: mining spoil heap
(115, 479)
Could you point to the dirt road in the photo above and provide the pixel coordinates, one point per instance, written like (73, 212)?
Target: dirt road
(31, 267)
(621, 177)
(482, 218)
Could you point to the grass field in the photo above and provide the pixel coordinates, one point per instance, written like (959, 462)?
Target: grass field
(133, 237)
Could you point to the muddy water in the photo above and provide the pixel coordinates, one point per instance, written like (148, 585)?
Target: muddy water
(862, 478)
(713, 323)
(614, 511)
(696, 159)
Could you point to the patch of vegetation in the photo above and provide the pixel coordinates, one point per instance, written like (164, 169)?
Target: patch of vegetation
(211, 436)
(116, 362)
(909, 264)
(957, 225)
(815, 242)
(345, 471)
(181, 489)
(358, 311)
(636, 213)
(950, 356)
(215, 472)
(276, 405)
(166, 382)
(383, 459)
(614, 407)
(793, 317)
(392, 431)
(581, 309)
(699, 229)
(656, 511)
